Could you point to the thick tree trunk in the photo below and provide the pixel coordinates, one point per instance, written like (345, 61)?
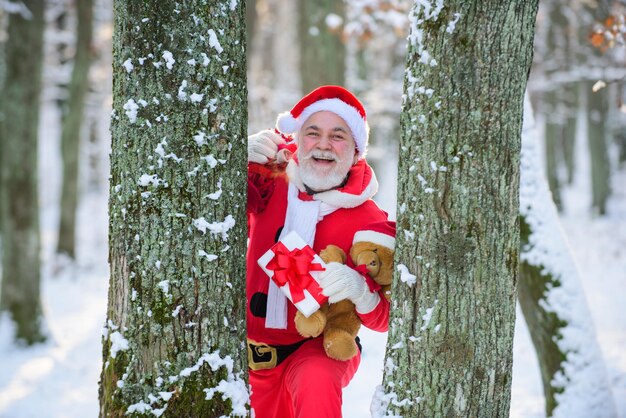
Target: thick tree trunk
(71, 130)
(553, 302)
(175, 333)
(20, 292)
(322, 52)
(597, 133)
(449, 351)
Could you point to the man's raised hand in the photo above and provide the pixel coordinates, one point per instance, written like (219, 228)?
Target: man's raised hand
(263, 146)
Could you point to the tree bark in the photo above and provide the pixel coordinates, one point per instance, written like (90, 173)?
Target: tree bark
(175, 333)
(553, 302)
(322, 52)
(449, 351)
(71, 129)
(20, 293)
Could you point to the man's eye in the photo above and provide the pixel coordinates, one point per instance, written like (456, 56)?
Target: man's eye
(338, 138)
(312, 134)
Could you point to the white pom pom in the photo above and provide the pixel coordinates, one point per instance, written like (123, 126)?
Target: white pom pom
(286, 123)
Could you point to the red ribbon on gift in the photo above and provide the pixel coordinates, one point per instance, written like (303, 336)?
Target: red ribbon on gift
(373, 286)
(294, 267)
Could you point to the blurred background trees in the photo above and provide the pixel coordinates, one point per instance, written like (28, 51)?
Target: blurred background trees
(577, 86)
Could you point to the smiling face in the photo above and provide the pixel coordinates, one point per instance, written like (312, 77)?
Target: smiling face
(326, 151)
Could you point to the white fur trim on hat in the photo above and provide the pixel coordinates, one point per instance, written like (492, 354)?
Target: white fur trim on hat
(287, 124)
(376, 238)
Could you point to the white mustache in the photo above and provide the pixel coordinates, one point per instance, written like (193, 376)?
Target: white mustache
(328, 155)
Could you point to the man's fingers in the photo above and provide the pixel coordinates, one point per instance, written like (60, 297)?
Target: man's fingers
(267, 149)
(275, 138)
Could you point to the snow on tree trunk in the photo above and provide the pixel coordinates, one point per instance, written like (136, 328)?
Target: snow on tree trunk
(449, 351)
(322, 52)
(19, 107)
(552, 300)
(174, 340)
(71, 129)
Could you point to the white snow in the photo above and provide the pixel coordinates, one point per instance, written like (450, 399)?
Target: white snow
(131, 110)
(169, 59)
(196, 98)
(182, 95)
(215, 228)
(209, 257)
(118, 343)
(128, 65)
(213, 41)
(405, 275)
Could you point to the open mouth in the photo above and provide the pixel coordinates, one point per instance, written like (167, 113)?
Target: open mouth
(323, 160)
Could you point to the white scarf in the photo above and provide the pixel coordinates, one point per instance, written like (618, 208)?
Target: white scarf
(302, 216)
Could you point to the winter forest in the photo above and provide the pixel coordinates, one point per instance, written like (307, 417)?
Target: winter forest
(498, 137)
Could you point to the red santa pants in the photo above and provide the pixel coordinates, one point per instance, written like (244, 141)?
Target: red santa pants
(308, 384)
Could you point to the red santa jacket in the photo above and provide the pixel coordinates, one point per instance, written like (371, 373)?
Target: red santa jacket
(267, 206)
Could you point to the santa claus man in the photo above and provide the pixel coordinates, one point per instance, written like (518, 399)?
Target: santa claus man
(324, 194)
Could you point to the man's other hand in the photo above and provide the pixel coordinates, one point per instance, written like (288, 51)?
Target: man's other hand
(263, 146)
(340, 282)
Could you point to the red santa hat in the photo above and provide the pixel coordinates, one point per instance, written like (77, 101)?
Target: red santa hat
(333, 99)
(380, 233)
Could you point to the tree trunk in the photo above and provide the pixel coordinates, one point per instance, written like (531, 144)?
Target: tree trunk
(449, 351)
(251, 19)
(175, 333)
(71, 129)
(553, 301)
(571, 101)
(322, 52)
(553, 135)
(597, 113)
(20, 292)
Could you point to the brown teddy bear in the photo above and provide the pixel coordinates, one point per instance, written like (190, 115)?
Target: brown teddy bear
(372, 252)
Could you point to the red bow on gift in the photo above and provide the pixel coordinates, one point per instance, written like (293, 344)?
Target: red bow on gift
(294, 267)
(373, 286)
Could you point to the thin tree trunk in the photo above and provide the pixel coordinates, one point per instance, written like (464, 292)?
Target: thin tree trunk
(322, 52)
(553, 302)
(553, 135)
(20, 292)
(597, 133)
(71, 130)
(251, 20)
(449, 352)
(175, 332)
(572, 103)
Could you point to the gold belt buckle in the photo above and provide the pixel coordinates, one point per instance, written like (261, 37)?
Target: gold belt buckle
(261, 356)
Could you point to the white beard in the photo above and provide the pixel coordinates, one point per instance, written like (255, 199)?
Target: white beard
(318, 178)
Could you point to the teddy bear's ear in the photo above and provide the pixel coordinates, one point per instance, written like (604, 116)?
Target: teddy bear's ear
(333, 253)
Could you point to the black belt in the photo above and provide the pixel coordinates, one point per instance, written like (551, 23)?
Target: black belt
(264, 356)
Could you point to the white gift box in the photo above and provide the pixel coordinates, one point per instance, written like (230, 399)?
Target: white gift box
(311, 301)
